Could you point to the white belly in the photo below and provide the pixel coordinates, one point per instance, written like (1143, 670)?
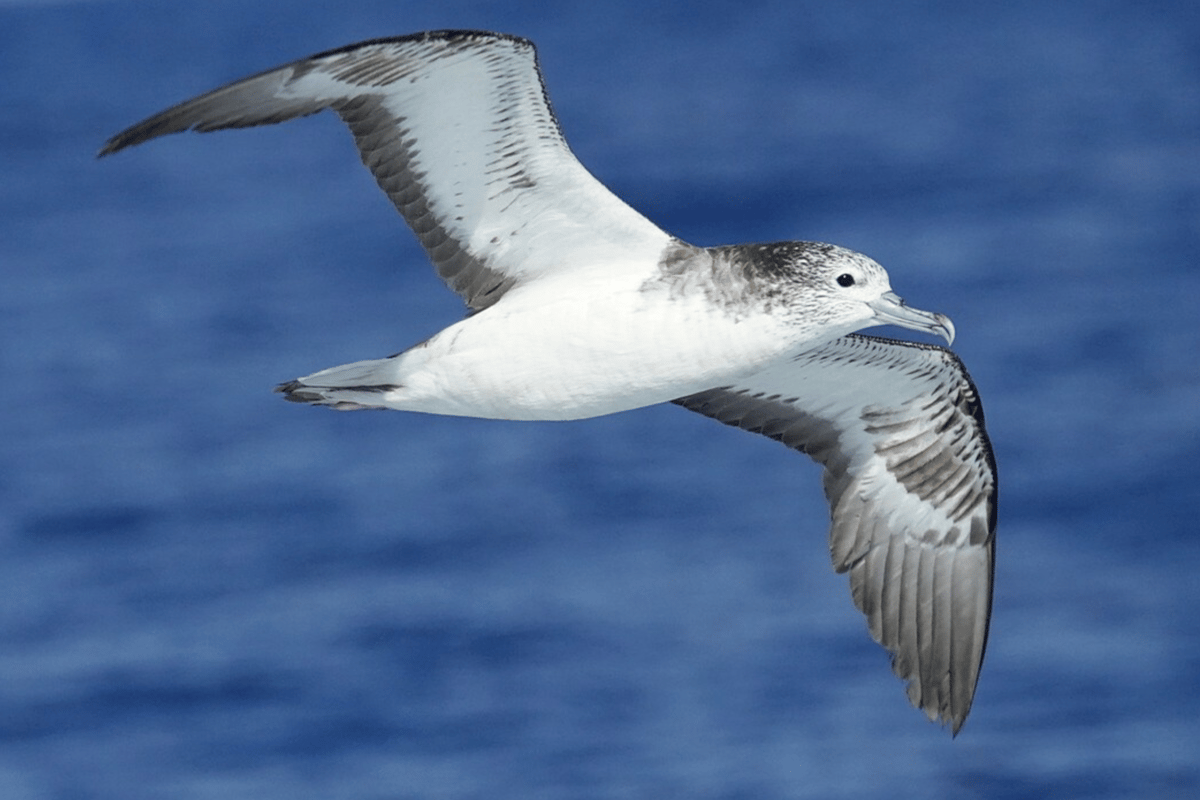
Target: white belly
(575, 358)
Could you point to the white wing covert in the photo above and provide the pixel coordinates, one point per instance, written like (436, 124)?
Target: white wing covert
(911, 481)
(457, 130)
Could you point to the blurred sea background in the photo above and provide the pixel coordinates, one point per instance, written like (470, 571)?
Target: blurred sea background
(208, 593)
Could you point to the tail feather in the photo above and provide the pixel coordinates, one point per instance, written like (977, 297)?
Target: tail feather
(350, 387)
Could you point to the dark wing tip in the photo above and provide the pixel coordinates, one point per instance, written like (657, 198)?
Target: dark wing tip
(144, 131)
(241, 104)
(187, 115)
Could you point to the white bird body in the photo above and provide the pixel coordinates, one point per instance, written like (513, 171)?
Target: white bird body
(563, 349)
(582, 307)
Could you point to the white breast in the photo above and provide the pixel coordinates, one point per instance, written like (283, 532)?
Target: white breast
(554, 354)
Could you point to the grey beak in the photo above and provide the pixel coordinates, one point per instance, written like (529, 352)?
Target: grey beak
(890, 310)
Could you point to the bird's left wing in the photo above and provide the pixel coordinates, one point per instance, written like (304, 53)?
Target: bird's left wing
(911, 481)
(458, 131)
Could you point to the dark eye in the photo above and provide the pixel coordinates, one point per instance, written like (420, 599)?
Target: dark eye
(845, 279)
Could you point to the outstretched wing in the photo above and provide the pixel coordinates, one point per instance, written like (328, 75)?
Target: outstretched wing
(457, 130)
(911, 482)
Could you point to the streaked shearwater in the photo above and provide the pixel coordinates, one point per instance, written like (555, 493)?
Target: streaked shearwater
(579, 306)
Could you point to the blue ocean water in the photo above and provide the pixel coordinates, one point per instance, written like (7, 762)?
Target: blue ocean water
(206, 592)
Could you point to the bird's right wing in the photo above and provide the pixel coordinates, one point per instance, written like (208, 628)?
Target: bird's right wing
(911, 482)
(458, 131)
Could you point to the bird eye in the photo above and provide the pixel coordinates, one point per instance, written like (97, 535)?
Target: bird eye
(845, 279)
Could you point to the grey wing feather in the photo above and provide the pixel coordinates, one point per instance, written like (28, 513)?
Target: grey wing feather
(911, 481)
(457, 130)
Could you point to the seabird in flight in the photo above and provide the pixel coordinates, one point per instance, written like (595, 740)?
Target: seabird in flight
(579, 306)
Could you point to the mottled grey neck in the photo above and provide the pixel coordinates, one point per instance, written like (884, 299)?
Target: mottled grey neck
(741, 278)
(777, 262)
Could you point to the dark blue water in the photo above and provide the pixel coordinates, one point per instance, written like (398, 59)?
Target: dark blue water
(208, 593)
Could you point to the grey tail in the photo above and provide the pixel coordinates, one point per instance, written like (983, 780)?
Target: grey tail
(348, 387)
(342, 398)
